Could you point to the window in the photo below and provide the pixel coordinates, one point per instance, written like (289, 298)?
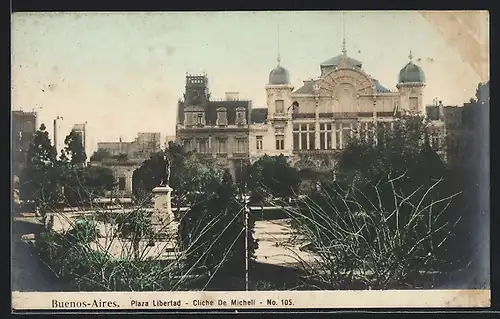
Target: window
(258, 141)
(202, 146)
(188, 147)
(325, 136)
(296, 137)
(221, 145)
(188, 120)
(280, 142)
(346, 134)
(240, 116)
(414, 104)
(241, 144)
(312, 140)
(200, 118)
(338, 135)
(121, 183)
(221, 116)
(279, 107)
(435, 142)
(304, 136)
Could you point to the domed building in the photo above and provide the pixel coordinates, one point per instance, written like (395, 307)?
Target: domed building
(279, 75)
(324, 111)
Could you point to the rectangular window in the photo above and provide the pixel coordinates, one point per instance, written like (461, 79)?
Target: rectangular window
(435, 142)
(241, 145)
(346, 134)
(258, 142)
(296, 142)
(187, 145)
(200, 120)
(312, 140)
(280, 142)
(337, 136)
(121, 183)
(240, 118)
(221, 146)
(280, 107)
(202, 145)
(222, 118)
(413, 103)
(303, 142)
(188, 118)
(325, 136)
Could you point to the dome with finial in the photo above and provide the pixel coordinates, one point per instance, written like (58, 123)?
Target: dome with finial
(342, 60)
(411, 73)
(279, 75)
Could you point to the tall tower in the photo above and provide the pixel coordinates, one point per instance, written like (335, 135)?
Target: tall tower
(411, 85)
(196, 90)
(279, 115)
(80, 129)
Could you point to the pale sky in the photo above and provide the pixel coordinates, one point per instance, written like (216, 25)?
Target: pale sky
(124, 72)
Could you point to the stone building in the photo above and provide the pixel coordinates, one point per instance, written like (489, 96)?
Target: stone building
(126, 157)
(123, 169)
(218, 128)
(141, 147)
(81, 130)
(454, 132)
(319, 116)
(24, 126)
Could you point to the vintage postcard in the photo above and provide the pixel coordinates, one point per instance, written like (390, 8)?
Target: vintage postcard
(250, 160)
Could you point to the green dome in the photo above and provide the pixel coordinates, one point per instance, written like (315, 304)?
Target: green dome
(279, 75)
(411, 73)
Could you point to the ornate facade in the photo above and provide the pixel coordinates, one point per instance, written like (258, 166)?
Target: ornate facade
(319, 116)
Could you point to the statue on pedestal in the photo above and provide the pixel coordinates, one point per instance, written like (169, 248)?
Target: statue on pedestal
(164, 171)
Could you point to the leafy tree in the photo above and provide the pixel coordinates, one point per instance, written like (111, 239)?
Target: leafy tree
(39, 180)
(74, 148)
(403, 150)
(189, 173)
(213, 231)
(81, 183)
(272, 175)
(100, 154)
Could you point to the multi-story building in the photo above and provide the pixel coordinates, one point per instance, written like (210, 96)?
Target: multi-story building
(319, 116)
(455, 131)
(80, 129)
(135, 153)
(141, 147)
(218, 128)
(24, 126)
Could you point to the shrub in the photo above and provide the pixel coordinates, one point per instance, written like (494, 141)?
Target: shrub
(373, 240)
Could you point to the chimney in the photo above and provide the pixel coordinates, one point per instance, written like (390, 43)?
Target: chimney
(232, 96)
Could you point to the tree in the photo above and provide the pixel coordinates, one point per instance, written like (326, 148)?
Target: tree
(100, 154)
(272, 175)
(189, 173)
(39, 180)
(81, 183)
(74, 148)
(403, 149)
(213, 231)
